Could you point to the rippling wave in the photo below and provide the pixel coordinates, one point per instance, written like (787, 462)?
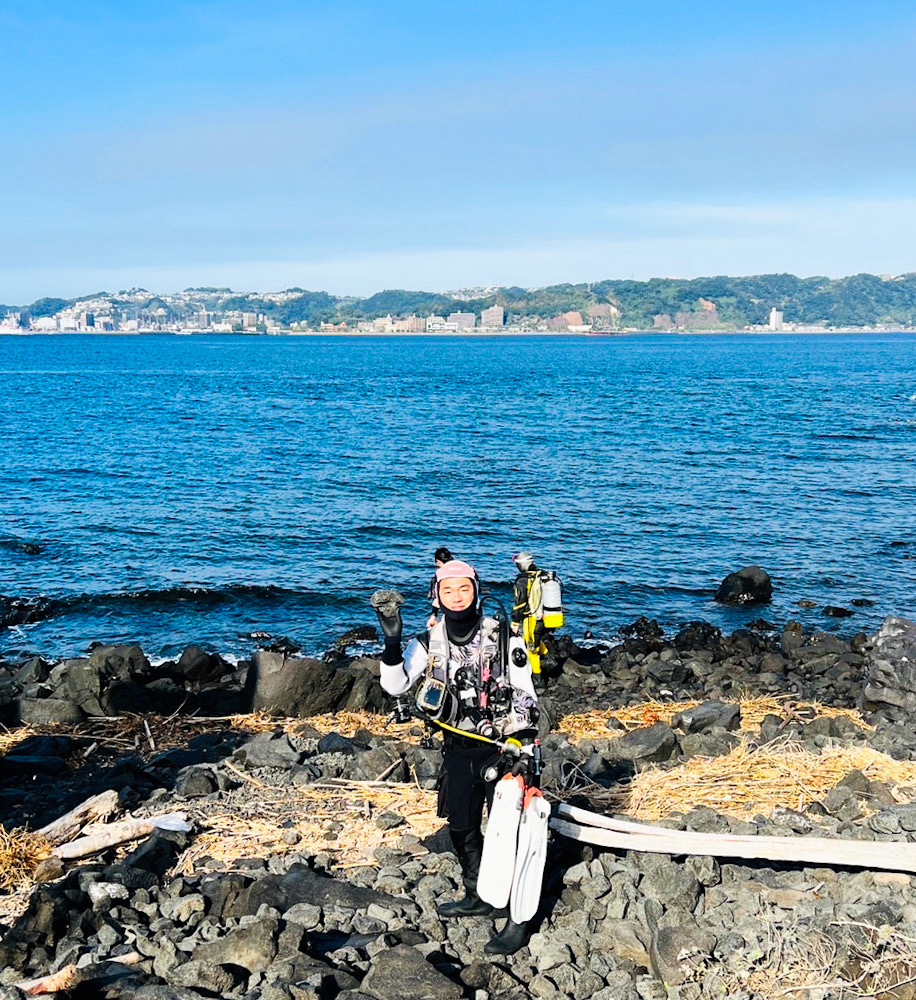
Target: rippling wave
(169, 490)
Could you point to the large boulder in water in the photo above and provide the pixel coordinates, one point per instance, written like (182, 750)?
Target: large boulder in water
(751, 585)
(24, 610)
(890, 671)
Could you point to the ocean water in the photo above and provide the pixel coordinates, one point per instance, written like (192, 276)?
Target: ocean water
(168, 490)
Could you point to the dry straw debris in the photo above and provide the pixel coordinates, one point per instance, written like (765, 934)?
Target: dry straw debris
(20, 853)
(594, 724)
(349, 723)
(10, 738)
(338, 818)
(753, 780)
(150, 734)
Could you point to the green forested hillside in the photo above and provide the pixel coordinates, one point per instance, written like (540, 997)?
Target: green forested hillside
(861, 300)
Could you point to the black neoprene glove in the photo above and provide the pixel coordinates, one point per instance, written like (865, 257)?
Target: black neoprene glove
(387, 604)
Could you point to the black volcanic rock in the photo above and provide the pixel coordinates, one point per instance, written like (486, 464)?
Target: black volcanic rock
(832, 611)
(49, 711)
(751, 585)
(253, 947)
(401, 973)
(891, 665)
(642, 628)
(705, 716)
(698, 635)
(301, 885)
(296, 686)
(301, 686)
(201, 667)
(25, 610)
(109, 681)
(652, 744)
(280, 927)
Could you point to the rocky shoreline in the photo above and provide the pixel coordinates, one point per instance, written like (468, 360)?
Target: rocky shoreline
(295, 922)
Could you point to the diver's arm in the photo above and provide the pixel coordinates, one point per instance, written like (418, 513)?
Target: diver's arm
(399, 674)
(519, 598)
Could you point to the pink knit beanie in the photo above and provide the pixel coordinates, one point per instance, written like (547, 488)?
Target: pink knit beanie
(455, 568)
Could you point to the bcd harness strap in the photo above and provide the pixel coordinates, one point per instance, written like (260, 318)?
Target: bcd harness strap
(529, 600)
(433, 694)
(536, 594)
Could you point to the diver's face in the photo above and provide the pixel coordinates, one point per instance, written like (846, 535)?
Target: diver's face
(456, 593)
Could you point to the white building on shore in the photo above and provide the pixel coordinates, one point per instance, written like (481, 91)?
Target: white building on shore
(493, 318)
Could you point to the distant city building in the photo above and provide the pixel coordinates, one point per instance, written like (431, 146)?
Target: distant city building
(462, 320)
(215, 309)
(410, 324)
(495, 316)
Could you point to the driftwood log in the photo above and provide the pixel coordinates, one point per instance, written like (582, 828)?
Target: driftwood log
(99, 807)
(605, 831)
(70, 976)
(103, 836)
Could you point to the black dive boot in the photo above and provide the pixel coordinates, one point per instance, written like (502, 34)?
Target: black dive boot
(470, 905)
(509, 940)
(468, 846)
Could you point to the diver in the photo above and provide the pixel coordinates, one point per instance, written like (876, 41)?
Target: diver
(536, 608)
(441, 556)
(456, 677)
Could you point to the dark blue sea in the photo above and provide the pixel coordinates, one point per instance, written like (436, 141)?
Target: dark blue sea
(169, 489)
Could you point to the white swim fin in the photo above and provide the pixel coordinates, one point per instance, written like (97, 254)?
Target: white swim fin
(500, 843)
(531, 857)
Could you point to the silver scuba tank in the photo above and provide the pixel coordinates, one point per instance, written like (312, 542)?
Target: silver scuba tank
(553, 601)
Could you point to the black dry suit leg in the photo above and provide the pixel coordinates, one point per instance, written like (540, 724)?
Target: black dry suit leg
(468, 846)
(467, 791)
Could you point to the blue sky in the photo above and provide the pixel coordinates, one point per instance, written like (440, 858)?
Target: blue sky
(354, 146)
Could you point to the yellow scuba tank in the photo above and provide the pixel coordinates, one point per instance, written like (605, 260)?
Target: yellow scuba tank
(552, 598)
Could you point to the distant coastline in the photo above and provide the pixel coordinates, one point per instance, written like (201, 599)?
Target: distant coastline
(775, 303)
